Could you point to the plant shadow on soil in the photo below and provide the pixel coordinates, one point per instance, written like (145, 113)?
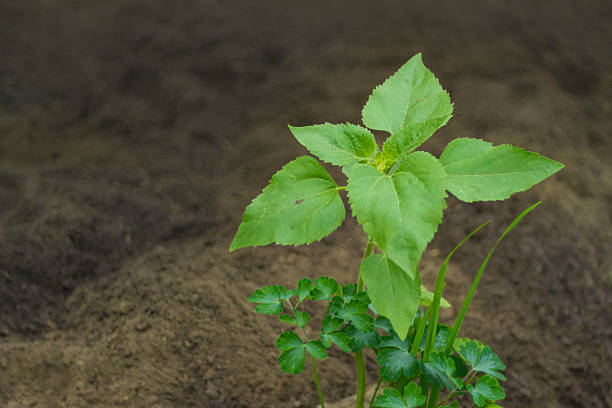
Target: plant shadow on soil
(134, 134)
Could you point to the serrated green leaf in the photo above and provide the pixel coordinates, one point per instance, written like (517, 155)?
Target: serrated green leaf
(324, 288)
(393, 291)
(400, 212)
(487, 389)
(411, 99)
(342, 340)
(288, 319)
(342, 145)
(394, 362)
(292, 361)
(331, 324)
(304, 287)
(316, 349)
(302, 318)
(288, 340)
(478, 171)
(391, 398)
(355, 312)
(383, 323)
(482, 359)
(325, 340)
(349, 292)
(299, 206)
(426, 298)
(274, 308)
(269, 294)
(361, 340)
(395, 342)
(270, 299)
(439, 372)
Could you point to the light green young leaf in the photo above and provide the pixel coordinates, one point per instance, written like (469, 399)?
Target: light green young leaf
(410, 100)
(342, 145)
(391, 398)
(478, 171)
(487, 389)
(426, 298)
(393, 291)
(324, 288)
(299, 206)
(400, 211)
(482, 359)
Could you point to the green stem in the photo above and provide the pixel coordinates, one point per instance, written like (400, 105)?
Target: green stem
(359, 363)
(361, 379)
(316, 380)
(375, 392)
(419, 334)
(433, 397)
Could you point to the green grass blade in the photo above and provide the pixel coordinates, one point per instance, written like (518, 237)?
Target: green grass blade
(468, 299)
(435, 306)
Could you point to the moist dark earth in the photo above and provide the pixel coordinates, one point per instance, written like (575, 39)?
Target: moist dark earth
(134, 133)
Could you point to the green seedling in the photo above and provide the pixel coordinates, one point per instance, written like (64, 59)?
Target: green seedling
(398, 195)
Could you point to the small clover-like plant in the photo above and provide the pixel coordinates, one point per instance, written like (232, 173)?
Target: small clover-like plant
(398, 195)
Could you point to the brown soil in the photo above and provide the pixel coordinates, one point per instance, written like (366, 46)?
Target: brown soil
(134, 133)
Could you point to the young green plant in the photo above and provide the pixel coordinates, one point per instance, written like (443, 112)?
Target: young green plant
(398, 195)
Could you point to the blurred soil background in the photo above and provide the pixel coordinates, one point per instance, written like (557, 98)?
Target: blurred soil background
(133, 134)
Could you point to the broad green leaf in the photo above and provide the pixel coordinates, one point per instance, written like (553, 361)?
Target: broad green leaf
(349, 291)
(325, 340)
(316, 349)
(299, 206)
(292, 361)
(302, 318)
(324, 288)
(411, 100)
(342, 145)
(270, 299)
(394, 362)
(482, 359)
(478, 171)
(393, 291)
(391, 398)
(439, 372)
(426, 298)
(487, 389)
(400, 211)
(288, 340)
(303, 288)
(361, 340)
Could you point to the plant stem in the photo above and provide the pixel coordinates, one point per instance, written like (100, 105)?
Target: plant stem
(375, 392)
(359, 363)
(316, 380)
(433, 397)
(361, 379)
